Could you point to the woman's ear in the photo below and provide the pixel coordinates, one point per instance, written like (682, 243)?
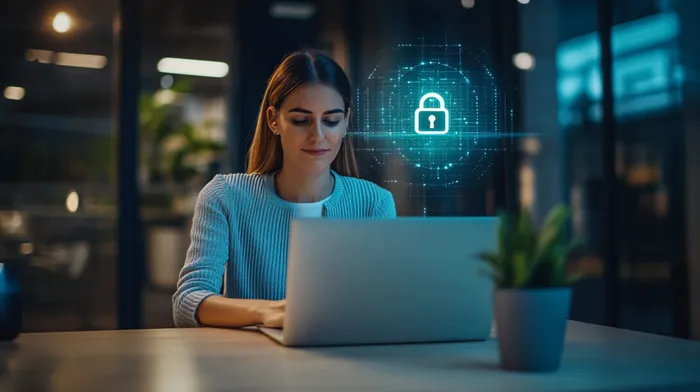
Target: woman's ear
(272, 120)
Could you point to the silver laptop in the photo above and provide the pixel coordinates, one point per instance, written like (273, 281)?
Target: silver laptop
(403, 280)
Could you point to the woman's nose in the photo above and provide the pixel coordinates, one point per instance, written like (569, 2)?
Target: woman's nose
(318, 132)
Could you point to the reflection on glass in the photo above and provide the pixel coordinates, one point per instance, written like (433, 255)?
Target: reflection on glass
(184, 108)
(56, 188)
(647, 81)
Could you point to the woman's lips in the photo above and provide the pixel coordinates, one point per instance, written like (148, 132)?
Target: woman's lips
(315, 152)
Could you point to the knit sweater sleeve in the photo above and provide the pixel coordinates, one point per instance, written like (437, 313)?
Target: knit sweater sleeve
(205, 263)
(385, 206)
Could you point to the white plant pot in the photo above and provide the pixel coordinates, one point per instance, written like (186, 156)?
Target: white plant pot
(167, 248)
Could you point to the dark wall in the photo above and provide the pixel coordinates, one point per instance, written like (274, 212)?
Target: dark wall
(263, 41)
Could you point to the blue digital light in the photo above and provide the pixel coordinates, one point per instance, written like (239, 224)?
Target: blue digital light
(435, 109)
(646, 73)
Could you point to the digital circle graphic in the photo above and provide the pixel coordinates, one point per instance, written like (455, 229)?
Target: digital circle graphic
(451, 138)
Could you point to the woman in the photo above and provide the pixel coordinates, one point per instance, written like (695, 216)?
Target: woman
(300, 165)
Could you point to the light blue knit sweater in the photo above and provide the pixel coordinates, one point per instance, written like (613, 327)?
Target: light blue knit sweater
(241, 226)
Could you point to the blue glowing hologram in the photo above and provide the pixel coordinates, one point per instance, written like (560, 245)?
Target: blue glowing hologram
(457, 153)
(432, 121)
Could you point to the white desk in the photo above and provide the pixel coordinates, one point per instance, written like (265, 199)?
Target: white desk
(596, 359)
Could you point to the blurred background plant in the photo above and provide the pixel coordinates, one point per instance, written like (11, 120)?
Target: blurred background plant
(174, 150)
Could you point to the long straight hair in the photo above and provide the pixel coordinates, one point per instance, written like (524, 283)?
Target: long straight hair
(265, 153)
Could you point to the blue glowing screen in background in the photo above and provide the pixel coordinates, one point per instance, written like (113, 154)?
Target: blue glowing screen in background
(647, 75)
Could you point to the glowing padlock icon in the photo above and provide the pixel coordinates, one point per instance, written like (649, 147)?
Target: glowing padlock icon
(432, 121)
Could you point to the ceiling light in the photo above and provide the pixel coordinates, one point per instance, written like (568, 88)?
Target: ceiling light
(72, 201)
(66, 59)
(61, 22)
(468, 3)
(292, 10)
(42, 56)
(80, 60)
(524, 61)
(211, 69)
(14, 93)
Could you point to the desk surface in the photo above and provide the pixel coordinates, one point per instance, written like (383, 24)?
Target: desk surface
(596, 358)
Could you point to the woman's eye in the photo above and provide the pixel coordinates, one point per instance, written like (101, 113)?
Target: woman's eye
(331, 123)
(299, 121)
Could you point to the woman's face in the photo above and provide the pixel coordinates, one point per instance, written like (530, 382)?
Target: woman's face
(311, 125)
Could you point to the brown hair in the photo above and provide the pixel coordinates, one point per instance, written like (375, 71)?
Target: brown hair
(265, 153)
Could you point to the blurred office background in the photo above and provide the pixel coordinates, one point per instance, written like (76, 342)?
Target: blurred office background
(105, 139)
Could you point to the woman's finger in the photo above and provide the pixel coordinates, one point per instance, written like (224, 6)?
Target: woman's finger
(275, 321)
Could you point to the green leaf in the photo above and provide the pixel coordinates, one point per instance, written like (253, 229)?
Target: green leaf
(209, 124)
(520, 269)
(552, 230)
(528, 257)
(491, 259)
(187, 130)
(527, 237)
(504, 233)
(506, 246)
(181, 86)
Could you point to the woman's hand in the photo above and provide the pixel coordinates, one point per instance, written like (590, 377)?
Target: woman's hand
(272, 314)
(218, 311)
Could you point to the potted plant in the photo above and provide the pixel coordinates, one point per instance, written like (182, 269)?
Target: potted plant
(172, 147)
(175, 156)
(532, 290)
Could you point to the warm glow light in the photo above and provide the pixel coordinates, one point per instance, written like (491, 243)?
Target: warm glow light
(468, 3)
(531, 146)
(26, 248)
(211, 69)
(11, 222)
(524, 61)
(66, 59)
(42, 56)
(527, 186)
(81, 60)
(14, 93)
(164, 97)
(72, 202)
(61, 22)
